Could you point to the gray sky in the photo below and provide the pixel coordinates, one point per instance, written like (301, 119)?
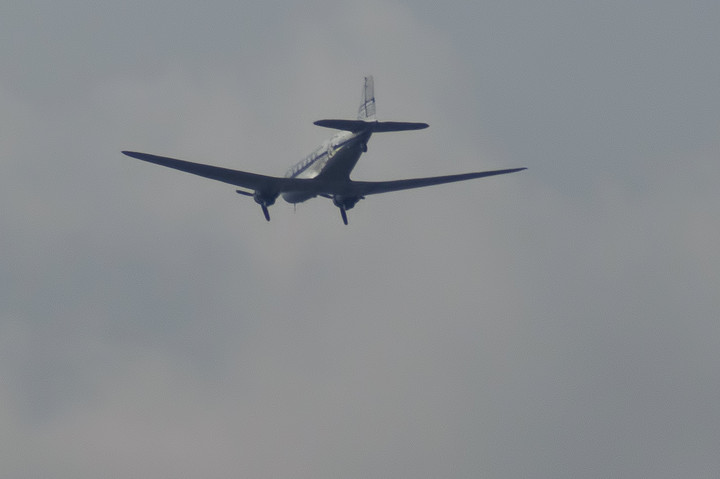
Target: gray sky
(557, 323)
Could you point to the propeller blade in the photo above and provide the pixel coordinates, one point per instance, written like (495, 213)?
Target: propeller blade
(344, 215)
(265, 211)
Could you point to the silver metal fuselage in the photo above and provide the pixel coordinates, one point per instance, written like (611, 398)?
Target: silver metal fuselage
(333, 160)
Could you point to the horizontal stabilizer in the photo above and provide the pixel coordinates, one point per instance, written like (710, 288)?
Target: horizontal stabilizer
(374, 126)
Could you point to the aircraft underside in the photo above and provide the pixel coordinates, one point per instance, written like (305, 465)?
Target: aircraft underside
(326, 171)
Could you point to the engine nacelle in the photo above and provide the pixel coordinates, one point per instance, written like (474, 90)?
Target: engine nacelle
(264, 198)
(346, 202)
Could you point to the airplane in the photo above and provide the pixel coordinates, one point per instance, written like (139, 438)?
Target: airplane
(326, 171)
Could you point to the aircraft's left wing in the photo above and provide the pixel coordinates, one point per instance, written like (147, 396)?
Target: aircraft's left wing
(362, 188)
(253, 181)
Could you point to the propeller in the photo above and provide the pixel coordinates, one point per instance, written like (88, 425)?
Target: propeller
(264, 200)
(265, 211)
(343, 214)
(345, 203)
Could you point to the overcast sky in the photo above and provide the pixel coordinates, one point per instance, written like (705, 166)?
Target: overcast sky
(561, 322)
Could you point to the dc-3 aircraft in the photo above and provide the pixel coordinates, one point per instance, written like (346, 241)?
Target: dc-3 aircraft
(326, 171)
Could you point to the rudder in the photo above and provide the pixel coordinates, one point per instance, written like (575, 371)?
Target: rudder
(366, 112)
(366, 120)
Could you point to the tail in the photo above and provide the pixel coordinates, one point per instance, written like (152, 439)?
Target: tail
(366, 112)
(366, 116)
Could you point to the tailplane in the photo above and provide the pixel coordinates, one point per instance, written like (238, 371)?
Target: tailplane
(366, 119)
(376, 126)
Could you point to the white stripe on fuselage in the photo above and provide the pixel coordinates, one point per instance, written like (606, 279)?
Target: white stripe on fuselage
(335, 158)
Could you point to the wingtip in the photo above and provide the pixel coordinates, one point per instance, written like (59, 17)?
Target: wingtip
(137, 155)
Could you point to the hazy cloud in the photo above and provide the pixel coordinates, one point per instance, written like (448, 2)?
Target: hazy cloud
(561, 322)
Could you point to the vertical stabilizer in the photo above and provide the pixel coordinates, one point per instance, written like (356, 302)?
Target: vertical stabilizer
(366, 120)
(367, 102)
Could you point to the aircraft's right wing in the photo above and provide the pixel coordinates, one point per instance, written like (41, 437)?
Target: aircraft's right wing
(253, 181)
(362, 188)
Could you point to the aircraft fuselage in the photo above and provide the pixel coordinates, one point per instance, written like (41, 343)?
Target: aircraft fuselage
(333, 160)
